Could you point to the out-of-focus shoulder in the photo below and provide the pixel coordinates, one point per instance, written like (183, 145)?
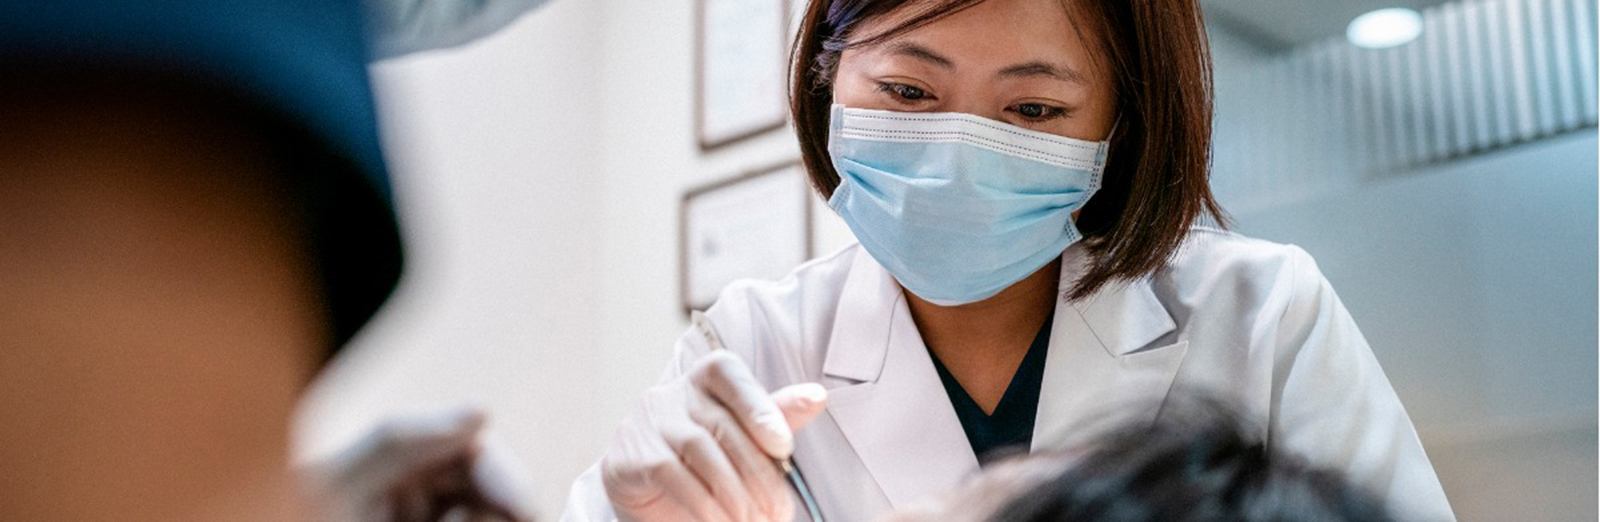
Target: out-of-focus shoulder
(819, 278)
(768, 320)
(830, 267)
(1212, 260)
(1213, 247)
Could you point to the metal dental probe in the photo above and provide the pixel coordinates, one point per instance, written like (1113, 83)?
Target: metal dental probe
(702, 324)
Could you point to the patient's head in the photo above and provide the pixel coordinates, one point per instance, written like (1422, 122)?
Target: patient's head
(1198, 466)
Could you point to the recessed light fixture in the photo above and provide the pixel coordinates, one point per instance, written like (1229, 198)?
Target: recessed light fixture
(1385, 28)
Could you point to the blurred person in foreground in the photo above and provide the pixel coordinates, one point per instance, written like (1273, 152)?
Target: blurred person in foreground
(194, 216)
(1201, 465)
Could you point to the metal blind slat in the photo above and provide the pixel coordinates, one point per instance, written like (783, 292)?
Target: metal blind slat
(1501, 105)
(1434, 31)
(1477, 70)
(1543, 87)
(1396, 126)
(1583, 43)
(1571, 115)
(1517, 46)
(1460, 114)
(1417, 102)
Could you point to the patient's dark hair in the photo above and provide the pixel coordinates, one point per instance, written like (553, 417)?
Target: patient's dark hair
(1203, 468)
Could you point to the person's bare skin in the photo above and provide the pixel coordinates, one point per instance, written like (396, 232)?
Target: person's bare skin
(160, 310)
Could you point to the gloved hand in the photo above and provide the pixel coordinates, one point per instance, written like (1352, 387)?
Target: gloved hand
(702, 447)
(422, 468)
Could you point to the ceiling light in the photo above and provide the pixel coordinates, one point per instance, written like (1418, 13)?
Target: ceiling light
(1385, 28)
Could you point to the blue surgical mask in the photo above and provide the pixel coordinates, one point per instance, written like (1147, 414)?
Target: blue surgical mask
(958, 207)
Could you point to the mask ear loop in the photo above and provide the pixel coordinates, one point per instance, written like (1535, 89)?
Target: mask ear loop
(1105, 146)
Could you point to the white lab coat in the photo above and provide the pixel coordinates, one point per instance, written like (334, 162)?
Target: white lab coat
(1236, 318)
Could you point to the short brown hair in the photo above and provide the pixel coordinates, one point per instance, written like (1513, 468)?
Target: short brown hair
(1157, 177)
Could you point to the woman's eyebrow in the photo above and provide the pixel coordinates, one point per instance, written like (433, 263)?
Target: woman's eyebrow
(918, 52)
(1029, 69)
(1038, 68)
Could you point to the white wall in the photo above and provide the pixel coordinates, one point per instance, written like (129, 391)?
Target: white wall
(540, 174)
(1474, 281)
(651, 160)
(1475, 284)
(493, 151)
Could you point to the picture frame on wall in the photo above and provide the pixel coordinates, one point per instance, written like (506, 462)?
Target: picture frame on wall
(741, 69)
(756, 225)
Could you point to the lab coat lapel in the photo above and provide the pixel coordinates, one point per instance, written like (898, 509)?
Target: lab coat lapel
(889, 402)
(1102, 366)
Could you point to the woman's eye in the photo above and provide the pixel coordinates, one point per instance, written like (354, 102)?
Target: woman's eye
(1037, 111)
(903, 91)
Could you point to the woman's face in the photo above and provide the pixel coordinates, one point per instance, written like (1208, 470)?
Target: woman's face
(1017, 61)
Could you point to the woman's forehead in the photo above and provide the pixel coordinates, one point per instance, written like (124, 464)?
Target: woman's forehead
(992, 33)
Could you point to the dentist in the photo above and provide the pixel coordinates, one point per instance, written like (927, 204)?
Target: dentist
(1027, 180)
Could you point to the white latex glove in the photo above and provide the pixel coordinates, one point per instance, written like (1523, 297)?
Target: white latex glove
(701, 447)
(406, 26)
(423, 468)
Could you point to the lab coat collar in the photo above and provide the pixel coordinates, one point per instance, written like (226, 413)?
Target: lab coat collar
(861, 325)
(1105, 368)
(884, 385)
(1123, 316)
(885, 395)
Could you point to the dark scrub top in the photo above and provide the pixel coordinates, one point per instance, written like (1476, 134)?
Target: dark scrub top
(1010, 427)
(299, 63)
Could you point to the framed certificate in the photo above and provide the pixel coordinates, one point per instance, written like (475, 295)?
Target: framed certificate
(757, 225)
(741, 60)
